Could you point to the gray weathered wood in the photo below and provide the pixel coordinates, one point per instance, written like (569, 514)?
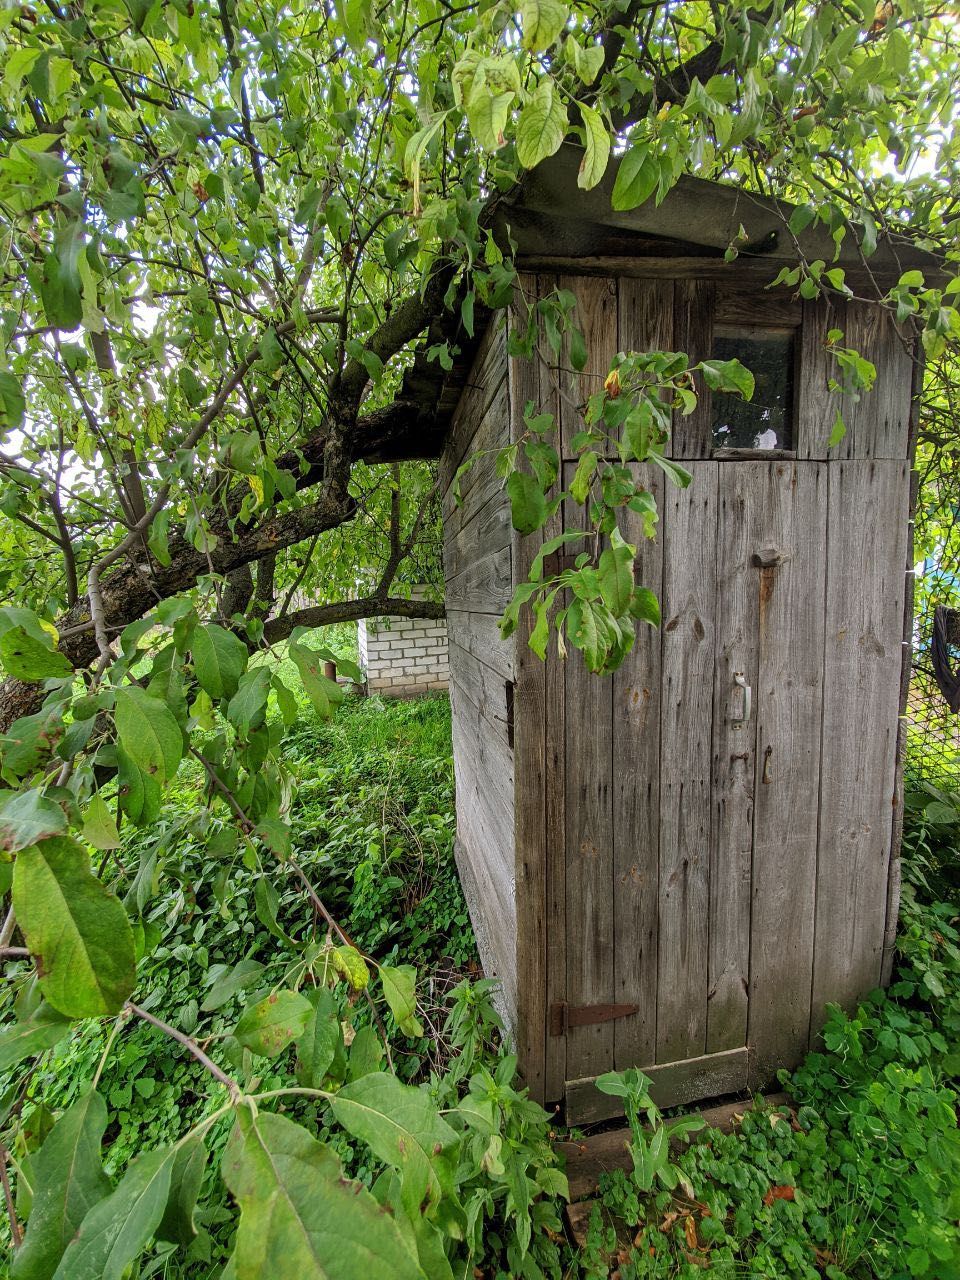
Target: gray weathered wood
(636, 812)
(596, 318)
(479, 482)
(672, 1084)
(484, 383)
(588, 732)
(689, 532)
(864, 612)
(878, 425)
(485, 687)
(489, 530)
(525, 380)
(479, 634)
(739, 535)
(646, 324)
(554, 797)
(484, 586)
(693, 302)
(749, 304)
(788, 707)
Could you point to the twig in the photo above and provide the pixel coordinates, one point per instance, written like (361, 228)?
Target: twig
(15, 1233)
(190, 1045)
(9, 924)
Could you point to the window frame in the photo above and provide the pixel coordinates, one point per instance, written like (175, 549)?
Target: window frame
(730, 328)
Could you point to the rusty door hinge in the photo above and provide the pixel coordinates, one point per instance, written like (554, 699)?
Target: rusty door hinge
(563, 1017)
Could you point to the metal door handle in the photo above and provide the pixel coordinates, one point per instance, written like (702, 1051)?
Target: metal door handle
(740, 680)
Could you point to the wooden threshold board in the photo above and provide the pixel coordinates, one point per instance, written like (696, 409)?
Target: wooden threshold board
(672, 1084)
(601, 1153)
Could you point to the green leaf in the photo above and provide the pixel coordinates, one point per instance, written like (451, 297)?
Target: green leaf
(322, 1039)
(247, 709)
(487, 113)
(399, 988)
(541, 126)
(528, 506)
(219, 660)
(728, 375)
(27, 657)
(350, 964)
(12, 402)
(26, 817)
(838, 431)
(541, 22)
(267, 1027)
(322, 692)
(41, 1031)
(138, 792)
(597, 155)
(242, 975)
(587, 61)
(645, 606)
(267, 901)
(186, 1178)
(366, 1053)
(299, 1215)
(402, 1126)
(637, 177)
(583, 476)
(118, 1229)
(75, 928)
(680, 476)
(148, 733)
(68, 1180)
(99, 825)
(616, 574)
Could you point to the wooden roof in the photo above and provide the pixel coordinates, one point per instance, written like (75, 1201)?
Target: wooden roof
(557, 226)
(548, 215)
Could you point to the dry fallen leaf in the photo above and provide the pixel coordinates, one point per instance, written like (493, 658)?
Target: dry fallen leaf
(778, 1193)
(690, 1231)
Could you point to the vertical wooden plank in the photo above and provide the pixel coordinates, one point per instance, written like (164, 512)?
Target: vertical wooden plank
(741, 502)
(693, 306)
(645, 319)
(789, 709)
(878, 425)
(555, 1054)
(864, 610)
(815, 404)
(588, 734)
(596, 317)
(529, 728)
(688, 659)
(636, 812)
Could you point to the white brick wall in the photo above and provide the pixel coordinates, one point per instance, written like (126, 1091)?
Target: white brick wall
(404, 657)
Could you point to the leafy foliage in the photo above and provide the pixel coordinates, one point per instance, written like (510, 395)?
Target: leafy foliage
(232, 231)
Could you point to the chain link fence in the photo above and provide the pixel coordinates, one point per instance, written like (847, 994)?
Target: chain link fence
(933, 729)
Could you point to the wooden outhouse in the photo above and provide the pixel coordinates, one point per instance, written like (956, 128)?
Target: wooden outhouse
(678, 866)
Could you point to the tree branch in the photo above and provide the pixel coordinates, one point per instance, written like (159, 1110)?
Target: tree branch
(323, 615)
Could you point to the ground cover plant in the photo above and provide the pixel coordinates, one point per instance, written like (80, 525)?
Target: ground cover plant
(859, 1179)
(226, 959)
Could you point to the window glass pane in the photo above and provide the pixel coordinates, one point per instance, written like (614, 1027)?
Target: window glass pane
(766, 421)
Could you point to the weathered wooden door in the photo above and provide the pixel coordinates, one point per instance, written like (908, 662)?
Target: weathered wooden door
(690, 801)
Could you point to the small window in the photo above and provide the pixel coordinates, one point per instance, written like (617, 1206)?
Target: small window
(765, 422)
